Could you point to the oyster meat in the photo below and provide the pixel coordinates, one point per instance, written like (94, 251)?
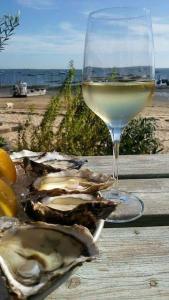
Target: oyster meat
(73, 181)
(68, 209)
(36, 258)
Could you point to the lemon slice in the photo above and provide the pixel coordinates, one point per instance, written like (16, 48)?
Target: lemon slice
(8, 202)
(7, 167)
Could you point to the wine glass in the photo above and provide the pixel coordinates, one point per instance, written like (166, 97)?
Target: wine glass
(118, 81)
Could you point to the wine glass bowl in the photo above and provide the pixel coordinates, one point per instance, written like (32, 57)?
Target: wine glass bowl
(118, 80)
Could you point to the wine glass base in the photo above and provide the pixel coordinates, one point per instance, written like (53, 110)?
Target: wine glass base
(129, 207)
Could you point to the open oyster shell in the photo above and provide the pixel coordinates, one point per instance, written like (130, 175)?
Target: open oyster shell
(73, 181)
(68, 209)
(35, 258)
(42, 163)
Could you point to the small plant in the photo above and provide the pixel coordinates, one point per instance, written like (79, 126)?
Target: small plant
(66, 88)
(7, 25)
(114, 75)
(139, 137)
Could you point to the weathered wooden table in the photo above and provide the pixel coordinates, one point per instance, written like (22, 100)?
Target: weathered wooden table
(134, 257)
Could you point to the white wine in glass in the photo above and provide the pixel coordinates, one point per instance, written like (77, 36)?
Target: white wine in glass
(118, 81)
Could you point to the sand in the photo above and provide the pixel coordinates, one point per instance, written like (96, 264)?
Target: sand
(37, 102)
(10, 118)
(160, 111)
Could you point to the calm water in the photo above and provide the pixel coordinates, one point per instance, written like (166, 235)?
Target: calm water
(35, 77)
(48, 77)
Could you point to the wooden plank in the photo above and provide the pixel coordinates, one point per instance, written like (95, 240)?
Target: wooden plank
(156, 185)
(141, 166)
(153, 192)
(155, 195)
(133, 265)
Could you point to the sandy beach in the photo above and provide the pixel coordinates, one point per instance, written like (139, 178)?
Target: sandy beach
(11, 117)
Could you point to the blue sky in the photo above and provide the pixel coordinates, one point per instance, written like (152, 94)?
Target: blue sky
(52, 32)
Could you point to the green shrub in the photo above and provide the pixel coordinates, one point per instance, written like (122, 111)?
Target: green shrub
(81, 132)
(139, 137)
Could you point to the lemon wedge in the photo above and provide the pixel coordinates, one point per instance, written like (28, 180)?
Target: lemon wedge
(8, 202)
(7, 167)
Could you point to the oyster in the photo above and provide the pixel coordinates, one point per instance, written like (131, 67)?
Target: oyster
(73, 181)
(69, 209)
(36, 258)
(42, 163)
(17, 156)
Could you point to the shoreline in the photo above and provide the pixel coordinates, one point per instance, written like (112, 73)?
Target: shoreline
(7, 92)
(160, 98)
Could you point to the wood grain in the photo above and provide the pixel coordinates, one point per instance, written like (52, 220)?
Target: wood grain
(132, 166)
(153, 192)
(133, 265)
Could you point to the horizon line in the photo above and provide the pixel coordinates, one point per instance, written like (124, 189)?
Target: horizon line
(58, 68)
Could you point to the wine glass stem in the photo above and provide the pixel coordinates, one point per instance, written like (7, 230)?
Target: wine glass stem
(115, 136)
(115, 162)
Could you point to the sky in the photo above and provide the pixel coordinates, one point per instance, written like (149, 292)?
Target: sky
(52, 32)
